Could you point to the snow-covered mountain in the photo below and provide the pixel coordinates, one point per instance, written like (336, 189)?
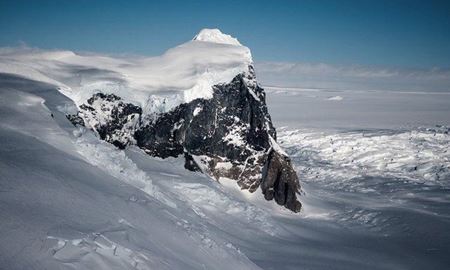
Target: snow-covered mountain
(200, 99)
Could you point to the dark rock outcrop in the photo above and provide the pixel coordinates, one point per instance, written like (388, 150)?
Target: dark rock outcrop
(75, 119)
(114, 120)
(230, 135)
(278, 181)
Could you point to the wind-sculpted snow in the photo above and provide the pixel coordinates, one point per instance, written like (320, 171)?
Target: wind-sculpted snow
(96, 251)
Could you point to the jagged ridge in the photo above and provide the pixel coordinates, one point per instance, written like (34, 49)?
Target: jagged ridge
(230, 135)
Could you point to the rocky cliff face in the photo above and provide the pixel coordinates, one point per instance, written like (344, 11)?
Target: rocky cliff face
(229, 135)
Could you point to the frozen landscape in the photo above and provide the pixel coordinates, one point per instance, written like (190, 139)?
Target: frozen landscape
(374, 170)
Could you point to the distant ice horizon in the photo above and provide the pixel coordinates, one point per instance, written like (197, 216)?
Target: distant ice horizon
(352, 77)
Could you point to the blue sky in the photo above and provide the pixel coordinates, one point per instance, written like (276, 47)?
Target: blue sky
(412, 34)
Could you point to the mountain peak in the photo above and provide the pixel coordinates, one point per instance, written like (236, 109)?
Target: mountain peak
(216, 36)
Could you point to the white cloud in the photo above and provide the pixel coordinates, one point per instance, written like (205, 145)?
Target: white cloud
(352, 77)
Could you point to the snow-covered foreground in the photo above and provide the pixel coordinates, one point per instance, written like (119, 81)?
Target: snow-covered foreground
(374, 198)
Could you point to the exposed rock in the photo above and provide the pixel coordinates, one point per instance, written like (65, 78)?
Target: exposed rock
(280, 182)
(230, 135)
(114, 120)
(75, 119)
